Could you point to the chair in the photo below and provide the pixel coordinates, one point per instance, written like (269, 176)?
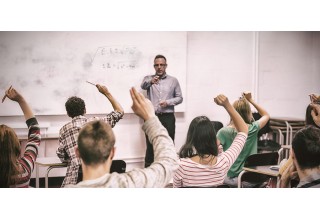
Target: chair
(284, 152)
(118, 166)
(217, 125)
(268, 146)
(262, 159)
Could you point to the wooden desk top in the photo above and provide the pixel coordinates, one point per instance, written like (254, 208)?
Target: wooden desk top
(263, 170)
(50, 161)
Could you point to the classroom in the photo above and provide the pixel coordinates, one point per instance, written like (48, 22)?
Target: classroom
(280, 68)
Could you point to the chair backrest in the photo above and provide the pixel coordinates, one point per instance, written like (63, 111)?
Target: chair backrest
(217, 125)
(262, 159)
(118, 166)
(268, 145)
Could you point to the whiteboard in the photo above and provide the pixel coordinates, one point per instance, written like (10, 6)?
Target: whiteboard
(49, 67)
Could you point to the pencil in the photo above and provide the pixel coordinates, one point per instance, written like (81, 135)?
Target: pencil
(91, 83)
(5, 95)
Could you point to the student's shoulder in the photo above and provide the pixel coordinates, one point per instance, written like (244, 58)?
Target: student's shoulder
(254, 126)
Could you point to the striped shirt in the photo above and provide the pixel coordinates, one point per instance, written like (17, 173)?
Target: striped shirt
(68, 136)
(27, 161)
(191, 173)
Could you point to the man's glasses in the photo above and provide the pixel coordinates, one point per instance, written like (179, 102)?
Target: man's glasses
(161, 65)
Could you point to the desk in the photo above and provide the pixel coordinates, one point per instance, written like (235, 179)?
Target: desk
(261, 170)
(51, 163)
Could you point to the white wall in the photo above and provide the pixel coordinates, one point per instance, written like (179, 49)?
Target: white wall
(281, 67)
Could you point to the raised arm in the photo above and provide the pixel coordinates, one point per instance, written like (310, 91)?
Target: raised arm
(315, 113)
(239, 123)
(161, 171)
(115, 104)
(14, 95)
(264, 114)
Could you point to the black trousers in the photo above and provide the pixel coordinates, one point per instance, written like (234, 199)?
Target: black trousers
(168, 120)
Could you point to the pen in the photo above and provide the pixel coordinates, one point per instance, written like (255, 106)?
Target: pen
(5, 95)
(91, 83)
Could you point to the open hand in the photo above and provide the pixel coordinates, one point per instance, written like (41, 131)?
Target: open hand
(140, 105)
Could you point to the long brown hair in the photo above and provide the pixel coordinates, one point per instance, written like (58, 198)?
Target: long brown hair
(9, 155)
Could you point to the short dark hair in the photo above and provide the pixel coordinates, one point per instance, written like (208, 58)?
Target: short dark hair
(75, 106)
(306, 147)
(201, 139)
(160, 56)
(95, 141)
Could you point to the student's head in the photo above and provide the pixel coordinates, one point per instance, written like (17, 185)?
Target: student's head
(75, 106)
(201, 139)
(96, 143)
(309, 119)
(9, 154)
(242, 106)
(160, 65)
(306, 147)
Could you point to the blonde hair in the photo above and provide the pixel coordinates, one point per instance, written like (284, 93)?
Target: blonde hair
(9, 155)
(242, 106)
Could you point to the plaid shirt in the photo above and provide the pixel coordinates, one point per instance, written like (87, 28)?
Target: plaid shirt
(68, 136)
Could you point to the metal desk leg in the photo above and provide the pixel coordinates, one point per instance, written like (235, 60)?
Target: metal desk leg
(47, 176)
(239, 178)
(287, 134)
(37, 176)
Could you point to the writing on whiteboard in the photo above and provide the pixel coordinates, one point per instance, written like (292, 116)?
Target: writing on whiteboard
(117, 57)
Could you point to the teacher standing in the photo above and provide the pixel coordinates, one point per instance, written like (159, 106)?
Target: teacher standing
(164, 92)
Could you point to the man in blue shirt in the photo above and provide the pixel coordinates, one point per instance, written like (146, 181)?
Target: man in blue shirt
(164, 92)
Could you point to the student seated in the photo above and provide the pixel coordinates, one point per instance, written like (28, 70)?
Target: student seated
(305, 155)
(68, 134)
(227, 134)
(16, 170)
(201, 164)
(96, 150)
(287, 169)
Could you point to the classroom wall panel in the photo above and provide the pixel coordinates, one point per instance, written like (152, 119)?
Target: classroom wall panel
(286, 75)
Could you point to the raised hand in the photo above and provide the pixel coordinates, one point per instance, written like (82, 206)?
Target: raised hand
(314, 98)
(14, 95)
(140, 105)
(221, 100)
(247, 95)
(102, 89)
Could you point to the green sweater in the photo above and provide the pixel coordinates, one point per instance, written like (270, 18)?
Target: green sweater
(226, 136)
